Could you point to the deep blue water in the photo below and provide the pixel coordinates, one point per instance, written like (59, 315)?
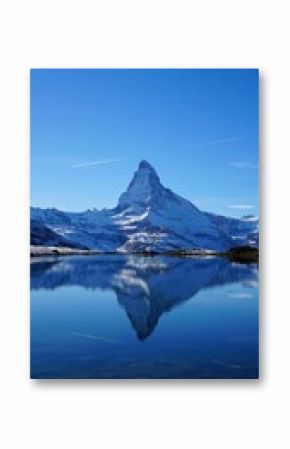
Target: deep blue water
(143, 317)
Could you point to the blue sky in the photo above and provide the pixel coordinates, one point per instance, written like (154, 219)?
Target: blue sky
(198, 128)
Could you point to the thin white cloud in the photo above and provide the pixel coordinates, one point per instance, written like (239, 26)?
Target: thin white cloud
(215, 142)
(240, 295)
(241, 206)
(243, 164)
(214, 199)
(94, 163)
(94, 337)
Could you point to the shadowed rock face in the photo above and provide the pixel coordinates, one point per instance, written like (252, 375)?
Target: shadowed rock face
(43, 235)
(146, 287)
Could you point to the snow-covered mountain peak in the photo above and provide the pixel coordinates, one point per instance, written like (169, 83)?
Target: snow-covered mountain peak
(144, 165)
(146, 176)
(144, 186)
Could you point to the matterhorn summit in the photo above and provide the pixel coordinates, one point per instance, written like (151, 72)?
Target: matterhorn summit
(144, 187)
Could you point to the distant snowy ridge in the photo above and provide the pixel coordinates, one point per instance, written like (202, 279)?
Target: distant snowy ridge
(148, 217)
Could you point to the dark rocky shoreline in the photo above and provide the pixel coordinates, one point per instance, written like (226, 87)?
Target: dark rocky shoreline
(243, 254)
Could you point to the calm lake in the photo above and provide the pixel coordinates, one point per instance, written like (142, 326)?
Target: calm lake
(117, 316)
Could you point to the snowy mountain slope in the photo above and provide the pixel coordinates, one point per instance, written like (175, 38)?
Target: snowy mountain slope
(244, 231)
(164, 219)
(92, 229)
(43, 235)
(148, 217)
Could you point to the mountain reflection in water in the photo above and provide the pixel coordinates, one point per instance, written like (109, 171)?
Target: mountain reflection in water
(145, 287)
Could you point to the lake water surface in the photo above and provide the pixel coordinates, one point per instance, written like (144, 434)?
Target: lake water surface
(143, 317)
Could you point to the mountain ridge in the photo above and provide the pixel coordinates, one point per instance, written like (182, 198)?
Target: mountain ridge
(148, 217)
